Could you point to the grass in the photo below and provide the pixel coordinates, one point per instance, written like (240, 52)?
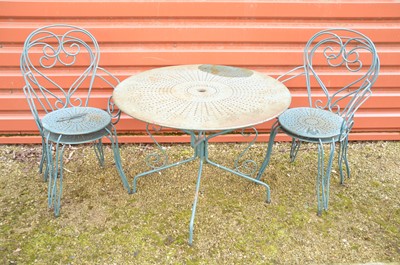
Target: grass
(101, 223)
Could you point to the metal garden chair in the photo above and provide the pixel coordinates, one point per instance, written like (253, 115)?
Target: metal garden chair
(329, 117)
(59, 64)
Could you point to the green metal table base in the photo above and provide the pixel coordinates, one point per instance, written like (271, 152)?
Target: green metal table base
(199, 143)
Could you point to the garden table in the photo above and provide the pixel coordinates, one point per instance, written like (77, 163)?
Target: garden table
(203, 101)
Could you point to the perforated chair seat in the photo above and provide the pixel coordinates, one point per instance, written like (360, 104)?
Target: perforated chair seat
(311, 123)
(76, 120)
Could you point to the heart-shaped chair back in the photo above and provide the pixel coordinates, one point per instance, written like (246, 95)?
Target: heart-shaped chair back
(59, 64)
(356, 66)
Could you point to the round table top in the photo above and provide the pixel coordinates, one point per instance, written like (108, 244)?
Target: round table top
(76, 120)
(202, 97)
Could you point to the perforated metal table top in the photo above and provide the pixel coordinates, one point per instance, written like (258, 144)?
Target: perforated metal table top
(202, 97)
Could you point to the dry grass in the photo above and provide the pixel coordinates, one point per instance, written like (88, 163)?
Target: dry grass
(101, 224)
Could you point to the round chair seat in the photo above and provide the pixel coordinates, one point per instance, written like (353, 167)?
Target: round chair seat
(76, 121)
(311, 122)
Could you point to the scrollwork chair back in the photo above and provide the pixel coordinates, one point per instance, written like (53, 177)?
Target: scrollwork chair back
(350, 52)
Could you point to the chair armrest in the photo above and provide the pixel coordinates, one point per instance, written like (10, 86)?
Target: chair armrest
(295, 72)
(112, 81)
(348, 113)
(30, 100)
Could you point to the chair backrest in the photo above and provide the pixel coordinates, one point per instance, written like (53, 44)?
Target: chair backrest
(344, 89)
(59, 64)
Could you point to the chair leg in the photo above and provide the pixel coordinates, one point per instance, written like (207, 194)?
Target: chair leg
(265, 163)
(98, 149)
(343, 157)
(56, 178)
(44, 160)
(117, 157)
(49, 170)
(43, 157)
(294, 149)
(323, 177)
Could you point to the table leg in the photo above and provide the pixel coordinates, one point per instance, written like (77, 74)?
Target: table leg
(157, 170)
(236, 171)
(199, 142)
(164, 165)
(196, 197)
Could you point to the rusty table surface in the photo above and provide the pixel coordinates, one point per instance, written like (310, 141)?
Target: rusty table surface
(202, 97)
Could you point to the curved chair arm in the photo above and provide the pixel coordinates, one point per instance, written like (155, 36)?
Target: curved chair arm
(113, 78)
(113, 81)
(298, 71)
(30, 99)
(357, 100)
(115, 114)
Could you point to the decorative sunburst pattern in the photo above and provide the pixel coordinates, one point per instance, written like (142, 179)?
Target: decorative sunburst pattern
(311, 122)
(76, 120)
(202, 97)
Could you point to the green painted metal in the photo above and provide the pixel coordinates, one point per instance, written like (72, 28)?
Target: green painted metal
(199, 143)
(328, 119)
(68, 118)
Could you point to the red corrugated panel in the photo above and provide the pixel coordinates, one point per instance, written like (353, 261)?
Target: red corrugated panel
(267, 36)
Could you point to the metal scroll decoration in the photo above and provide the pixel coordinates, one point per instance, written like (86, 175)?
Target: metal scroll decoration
(352, 52)
(248, 166)
(111, 81)
(158, 158)
(72, 47)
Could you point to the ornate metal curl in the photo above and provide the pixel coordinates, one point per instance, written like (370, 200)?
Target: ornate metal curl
(249, 166)
(344, 55)
(156, 160)
(111, 107)
(55, 55)
(61, 47)
(344, 50)
(115, 113)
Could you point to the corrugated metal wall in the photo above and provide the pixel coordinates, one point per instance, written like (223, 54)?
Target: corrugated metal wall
(267, 36)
